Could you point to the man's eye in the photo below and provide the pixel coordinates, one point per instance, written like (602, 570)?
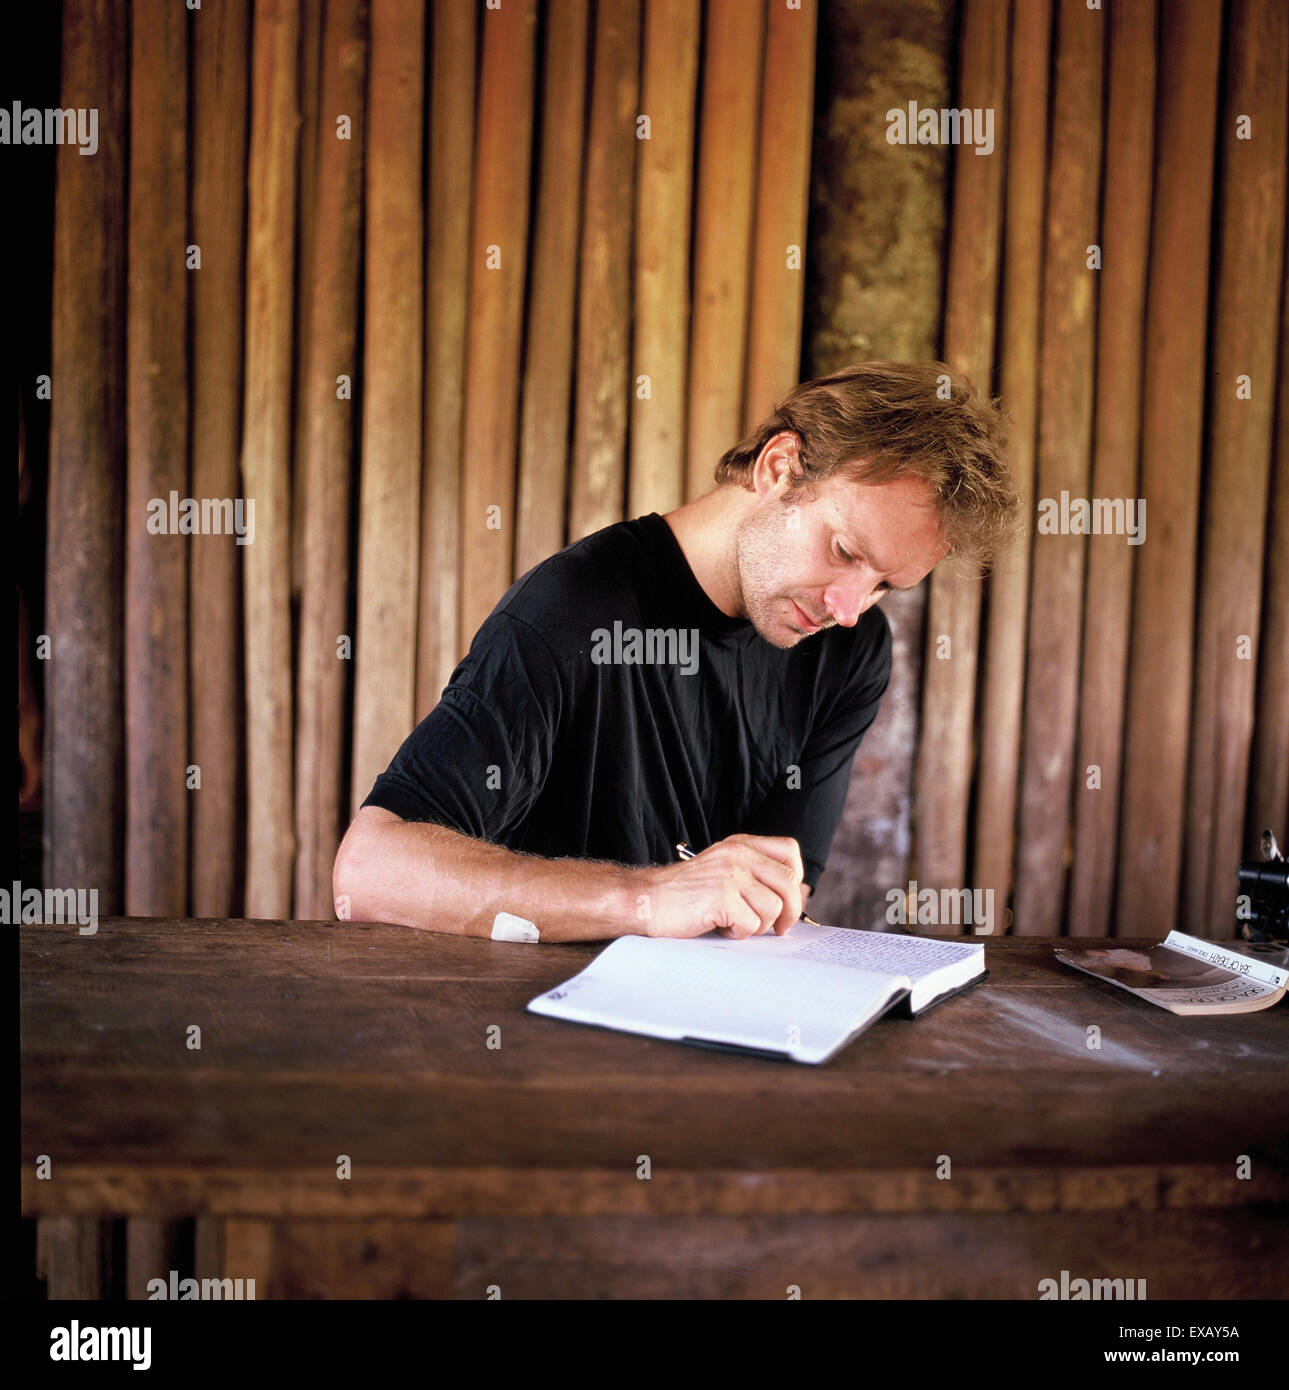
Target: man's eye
(842, 553)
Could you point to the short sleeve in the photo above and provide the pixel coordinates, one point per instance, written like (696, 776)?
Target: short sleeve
(478, 760)
(809, 806)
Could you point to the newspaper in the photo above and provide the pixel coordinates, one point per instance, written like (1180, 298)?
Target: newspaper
(1185, 974)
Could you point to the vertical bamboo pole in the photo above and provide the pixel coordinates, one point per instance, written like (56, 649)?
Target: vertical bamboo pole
(498, 251)
(326, 454)
(669, 85)
(1160, 667)
(1269, 781)
(220, 64)
(943, 776)
(782, 194)
(1242, 393)
(597, 490)
(1003, 684)
(156, 565)
(447, 274)
(1107, 608)
(311, 21)
(390, 509)
(735, 45)
(548, 356)
(266, 454)
(1066, 376)
(84, 733)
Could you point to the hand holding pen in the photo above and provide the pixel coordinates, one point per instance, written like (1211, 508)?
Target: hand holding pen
(743, 885)
(686, 852)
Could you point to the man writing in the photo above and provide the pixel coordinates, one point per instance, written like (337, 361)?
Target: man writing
(560, 769)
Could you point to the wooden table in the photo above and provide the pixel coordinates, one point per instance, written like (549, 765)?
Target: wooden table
(518, 1167)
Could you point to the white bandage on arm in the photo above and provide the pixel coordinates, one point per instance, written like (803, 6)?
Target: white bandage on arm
(507, 927)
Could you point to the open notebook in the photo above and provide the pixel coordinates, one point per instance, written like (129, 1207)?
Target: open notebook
(800, 997)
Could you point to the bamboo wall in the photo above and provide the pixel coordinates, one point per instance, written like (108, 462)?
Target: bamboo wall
(442, 325)
(476, 280)
(1107, 737)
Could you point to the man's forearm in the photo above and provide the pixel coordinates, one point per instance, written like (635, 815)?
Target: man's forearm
(420, 875)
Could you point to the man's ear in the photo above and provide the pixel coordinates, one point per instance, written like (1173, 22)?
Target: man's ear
(778, 460)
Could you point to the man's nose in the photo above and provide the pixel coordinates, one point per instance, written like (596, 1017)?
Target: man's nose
(848, 598)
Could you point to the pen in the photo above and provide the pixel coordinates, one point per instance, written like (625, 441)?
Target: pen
(685, 852)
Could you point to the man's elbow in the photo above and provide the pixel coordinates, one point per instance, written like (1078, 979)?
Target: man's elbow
(351, 871)
(346, 877)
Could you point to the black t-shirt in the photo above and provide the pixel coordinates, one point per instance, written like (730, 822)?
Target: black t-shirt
(608, 709)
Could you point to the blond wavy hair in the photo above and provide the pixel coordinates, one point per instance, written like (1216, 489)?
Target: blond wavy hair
(879, 421)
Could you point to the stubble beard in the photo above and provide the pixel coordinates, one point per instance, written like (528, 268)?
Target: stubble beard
(762, 550)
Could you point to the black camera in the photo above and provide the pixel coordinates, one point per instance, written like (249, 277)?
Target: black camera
(1262, 904)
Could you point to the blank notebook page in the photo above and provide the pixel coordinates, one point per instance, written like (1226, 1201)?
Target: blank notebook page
(685, 989)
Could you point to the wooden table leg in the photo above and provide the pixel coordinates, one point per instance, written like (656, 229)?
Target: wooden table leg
(72, 1255)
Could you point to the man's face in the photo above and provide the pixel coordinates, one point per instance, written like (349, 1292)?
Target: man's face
(822, 557)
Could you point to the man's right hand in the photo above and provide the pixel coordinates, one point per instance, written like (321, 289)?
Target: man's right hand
(742, 886)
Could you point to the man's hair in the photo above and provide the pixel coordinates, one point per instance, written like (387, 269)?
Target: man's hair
(880, 421)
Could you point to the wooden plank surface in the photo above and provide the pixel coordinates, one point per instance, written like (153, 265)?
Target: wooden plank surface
(409, 1192)
(266, 457)
(1177, 1255)
(1066, 376)
(597, 489)
(1249, 255)
(447, 290)
(84, 731)
(1003, 653)
(942, 779)
(542, 477)
(1157, 725)
(389, 525)
(373, 1041)
(734, 45)
(498, 265)
(782, 191)
(220, 66)
(248, 1250)
(664, 201)
(326, 457)
(156, 565)
(370, 1259)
